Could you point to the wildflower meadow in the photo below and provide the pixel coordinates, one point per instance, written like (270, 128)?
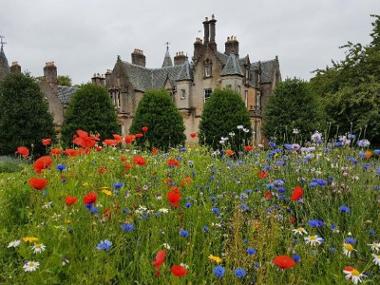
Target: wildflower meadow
(109, 212)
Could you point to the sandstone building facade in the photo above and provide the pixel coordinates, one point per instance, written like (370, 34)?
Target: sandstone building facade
(191, 81)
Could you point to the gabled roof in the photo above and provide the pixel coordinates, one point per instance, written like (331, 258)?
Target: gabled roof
(65, 93)
(143, 78)
(268, 69)
(186, 72)
(232, 66)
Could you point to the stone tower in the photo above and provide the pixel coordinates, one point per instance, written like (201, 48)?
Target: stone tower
(4, 67)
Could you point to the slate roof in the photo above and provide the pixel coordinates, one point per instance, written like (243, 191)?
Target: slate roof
(232, 66)
(145, 78)
(65, 93)
(267, 69)
(167, 59)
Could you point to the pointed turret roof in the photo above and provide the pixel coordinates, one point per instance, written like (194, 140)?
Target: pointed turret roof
(232, 66)
(4, 67)
(167, 59)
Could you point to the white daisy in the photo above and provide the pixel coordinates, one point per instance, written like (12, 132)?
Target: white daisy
(353, 274)
(167, 246)
(164, 210)
(299, 231)
(376, 259)
(348, 249)
(240, 127)
(14, 243)
(38, 247)
(31, 266)
(313, 240)
(375, 246)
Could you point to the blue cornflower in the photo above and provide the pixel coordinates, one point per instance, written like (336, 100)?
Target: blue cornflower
(272, 144)
(296, 258)
(92, 208)
(251, 251)
(216, 211)
(244, 208)
(118, 185)
(104, 245)
(188, 205)
(278, 182)
(316, 223)
(350, 240)
(127, 227)
(344, 209)
(218, 271)
(372, 232)
(240, 272)
(281, 189)
(61, 167)
(183, 233)
(205, 229)
(376, 151)
(366, 166)
(363, 143)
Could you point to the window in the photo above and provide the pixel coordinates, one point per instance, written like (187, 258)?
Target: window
(183, 94)
(258, 99)
(207, 94)
(208, 68)
(246, 98)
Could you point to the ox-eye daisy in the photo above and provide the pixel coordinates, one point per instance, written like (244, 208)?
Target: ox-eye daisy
(376, 259)
(31, 266)
(353, 274)
(313, 240)
(14, 243)
(38, 248)
(299, 231)
(348, 249)
(375, 246)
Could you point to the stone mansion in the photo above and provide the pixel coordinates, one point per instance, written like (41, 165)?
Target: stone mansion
(189, 81)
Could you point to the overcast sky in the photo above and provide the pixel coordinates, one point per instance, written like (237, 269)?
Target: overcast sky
(83, 37)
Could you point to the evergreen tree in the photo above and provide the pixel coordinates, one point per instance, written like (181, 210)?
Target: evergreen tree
(90, 109)
(223, 112)
(157, 111)
(292, 106)
(24, 116)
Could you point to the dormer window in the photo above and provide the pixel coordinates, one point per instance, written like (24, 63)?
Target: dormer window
(208, 68)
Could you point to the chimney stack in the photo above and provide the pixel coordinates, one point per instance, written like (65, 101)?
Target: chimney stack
(180, 58)
(15, 67)
(198, 48)
(212, 23)
(231, 46)
(108, 77)
(138, 57)
(206, 28)
(50, 72)
(98, 79)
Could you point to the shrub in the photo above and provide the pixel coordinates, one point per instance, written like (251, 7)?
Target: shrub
(292, 106)
(24, 116)
(222, 113)
(157, 111)
(90, 109)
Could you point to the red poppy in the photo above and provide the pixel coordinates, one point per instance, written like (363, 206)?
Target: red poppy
(71, 200)
(38, 183)
(159, 259)
(130, 139)
(284, 262)
(262, 174)
(110, 142)
(139, 160)
(23, 151)
(229, 152)
(117, 138)
(297, 193)
(179, 270)
(144, 129)
(139, 135)
(102, 170)
(127, 166)
(193, 135)
(268, 195)
(83, 139)
(46, 141)
(71, 152)
(55, 151)
(174, 197)
(42, 163)
(154, 151)
(248, 148)
(173, 163)
(90, 198)
(186, 181)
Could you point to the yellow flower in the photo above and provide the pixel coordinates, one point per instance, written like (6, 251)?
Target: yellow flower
(215, 259)
(30, 239)
(107, 191)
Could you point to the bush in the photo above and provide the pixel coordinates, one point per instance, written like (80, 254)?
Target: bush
(292, 106)
(157, 111)
(90, 109)
(222, 113)
(24, 116)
